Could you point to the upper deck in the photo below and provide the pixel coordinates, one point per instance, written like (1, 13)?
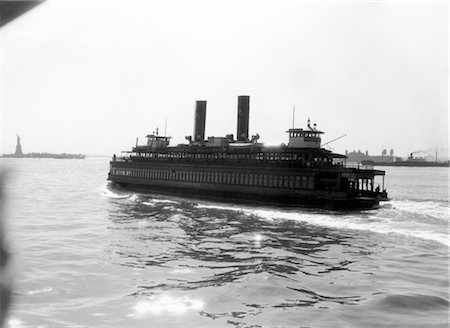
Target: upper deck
(302, 150)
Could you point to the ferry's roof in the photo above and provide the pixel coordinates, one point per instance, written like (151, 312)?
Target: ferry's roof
(304, 130)
(157, 137)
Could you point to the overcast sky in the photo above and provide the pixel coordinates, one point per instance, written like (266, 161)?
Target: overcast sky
(91, 76)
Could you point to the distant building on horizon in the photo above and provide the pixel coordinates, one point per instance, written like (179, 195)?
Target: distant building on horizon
(359, 156)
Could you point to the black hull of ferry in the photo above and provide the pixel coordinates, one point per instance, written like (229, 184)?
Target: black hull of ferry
(311, 200)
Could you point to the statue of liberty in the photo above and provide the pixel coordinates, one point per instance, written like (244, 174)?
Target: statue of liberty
(18, 147)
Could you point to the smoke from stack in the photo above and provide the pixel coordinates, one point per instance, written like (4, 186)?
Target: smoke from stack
(243, 118)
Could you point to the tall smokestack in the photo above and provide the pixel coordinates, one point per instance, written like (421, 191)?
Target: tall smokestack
(243, 117)
(200, 118)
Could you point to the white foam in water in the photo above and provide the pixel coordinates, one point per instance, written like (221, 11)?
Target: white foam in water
(435, 209)
(220, 207)
(166, 305)
(108, 193)
(39, 291)
(133, 198)
(165, 201)
(154, 201)
(379, 221)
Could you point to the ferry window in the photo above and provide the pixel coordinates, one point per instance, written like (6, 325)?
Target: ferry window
(291, 182)
(275, 181)
(246, 178)
(265, 183)
(310, 183)
(298, 182)
(260, 180)
(280, 181)
(270, 181)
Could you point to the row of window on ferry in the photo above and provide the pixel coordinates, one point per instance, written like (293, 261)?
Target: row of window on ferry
(229, 156)
(250, 179)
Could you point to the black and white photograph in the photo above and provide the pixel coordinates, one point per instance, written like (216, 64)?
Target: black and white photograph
(224, 163)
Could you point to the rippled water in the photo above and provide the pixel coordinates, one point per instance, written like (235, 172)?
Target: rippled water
(89, 255)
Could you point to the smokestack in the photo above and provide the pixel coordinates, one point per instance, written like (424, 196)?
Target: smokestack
(243, 116)
(200, 118)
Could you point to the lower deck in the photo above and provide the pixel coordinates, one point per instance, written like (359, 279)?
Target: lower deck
(310, 187)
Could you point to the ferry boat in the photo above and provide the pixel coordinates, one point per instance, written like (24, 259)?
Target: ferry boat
(301, 173)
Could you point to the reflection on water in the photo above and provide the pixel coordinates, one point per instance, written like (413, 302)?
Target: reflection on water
(209, 256)
(166, 304)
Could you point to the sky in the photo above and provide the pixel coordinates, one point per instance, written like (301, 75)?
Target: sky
(92, 76)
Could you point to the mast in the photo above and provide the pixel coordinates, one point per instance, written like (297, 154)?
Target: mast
(293, 117)
(165, 127)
